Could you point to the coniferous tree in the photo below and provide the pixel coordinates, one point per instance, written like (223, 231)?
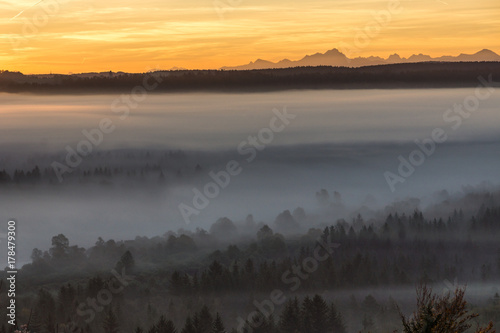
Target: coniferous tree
(161, 325)
(368, 323)
(196, 323)
(151, 314)
(170, 327)
(335, 322)
(189, 326)
(110, 322)
(218, 326)
(205, 320)
(306, 324)
(35, 324)
(165, 326)
(289, 319)
(319, 314)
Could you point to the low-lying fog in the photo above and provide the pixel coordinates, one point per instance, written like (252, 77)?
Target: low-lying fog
(343, 141)
(215, 120)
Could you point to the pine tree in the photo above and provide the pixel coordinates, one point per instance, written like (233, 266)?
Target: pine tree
(49, 323)
(196, 323)
(188, 326)
(205, 320)
(170, 328)
(319, 314)
(151, 314)
(306, 324)
(35, 325)
(335, 322)
(161, 325)
(165, 326)
(289, 319)
(368, 323)
(218, 326)
(110, 323)
(269, 325)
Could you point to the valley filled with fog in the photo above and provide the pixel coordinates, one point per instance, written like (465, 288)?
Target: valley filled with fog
(163, 146)
(210, 198)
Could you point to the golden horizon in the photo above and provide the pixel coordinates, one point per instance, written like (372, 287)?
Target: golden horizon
(72, 36)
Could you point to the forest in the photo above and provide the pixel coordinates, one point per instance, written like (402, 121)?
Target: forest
(408, 75)
(347, 276)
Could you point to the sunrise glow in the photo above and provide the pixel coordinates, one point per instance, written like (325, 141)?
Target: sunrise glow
(63, 36)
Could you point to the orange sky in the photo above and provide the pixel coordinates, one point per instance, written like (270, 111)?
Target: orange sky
(62, 36)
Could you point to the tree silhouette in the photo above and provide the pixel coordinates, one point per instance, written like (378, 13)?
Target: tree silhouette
(441, 314)
(218, 326)
(335, 322)
(165, 326)
(110, 323)
(188, 326)
(126, 261)
(319, 314)
(60, 245)
(205, 320)
(289, 319)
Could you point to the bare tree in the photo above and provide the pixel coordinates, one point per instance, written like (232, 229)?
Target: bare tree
(441, 314)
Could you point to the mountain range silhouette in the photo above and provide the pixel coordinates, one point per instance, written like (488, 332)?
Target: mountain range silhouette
(336, 58)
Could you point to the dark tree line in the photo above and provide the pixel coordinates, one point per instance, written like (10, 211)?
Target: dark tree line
(154, 174)
(400, 250)
(427, 74)
(404, 250)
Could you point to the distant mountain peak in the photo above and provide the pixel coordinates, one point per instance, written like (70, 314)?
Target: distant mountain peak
(334, 57)
(313, 55)
(486, 51)
(394, 57)
(334, 52)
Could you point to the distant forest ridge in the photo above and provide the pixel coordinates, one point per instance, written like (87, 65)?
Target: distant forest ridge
(406, 75)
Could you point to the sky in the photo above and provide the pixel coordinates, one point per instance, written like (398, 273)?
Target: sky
(74, 36)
